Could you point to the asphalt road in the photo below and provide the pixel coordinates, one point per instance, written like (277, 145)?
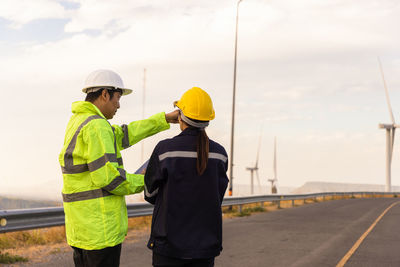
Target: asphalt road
(318, 234)
(314, 235)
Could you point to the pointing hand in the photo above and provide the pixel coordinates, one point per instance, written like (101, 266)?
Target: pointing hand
(172, 117)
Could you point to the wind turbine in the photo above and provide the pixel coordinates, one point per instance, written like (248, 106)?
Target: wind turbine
(254, 169)
(390, 131)
(273, 181)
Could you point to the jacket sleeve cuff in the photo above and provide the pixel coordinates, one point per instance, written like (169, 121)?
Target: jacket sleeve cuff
(164, 125)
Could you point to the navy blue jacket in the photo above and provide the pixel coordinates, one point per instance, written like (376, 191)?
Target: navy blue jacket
(187, 217)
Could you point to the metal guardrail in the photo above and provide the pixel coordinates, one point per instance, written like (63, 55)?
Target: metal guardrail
(25, 219)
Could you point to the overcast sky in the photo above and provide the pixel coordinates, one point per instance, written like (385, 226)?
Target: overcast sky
(307, 74)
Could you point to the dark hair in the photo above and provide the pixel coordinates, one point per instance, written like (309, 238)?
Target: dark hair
(91, 97)
(202, 151)
(203, 146)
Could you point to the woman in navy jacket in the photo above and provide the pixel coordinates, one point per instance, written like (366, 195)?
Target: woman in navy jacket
(186, 181)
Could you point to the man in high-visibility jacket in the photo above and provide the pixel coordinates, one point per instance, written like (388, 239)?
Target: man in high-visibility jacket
(95, 182)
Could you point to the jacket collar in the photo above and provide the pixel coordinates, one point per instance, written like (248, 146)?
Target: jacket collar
(86, 107)
(190, 131)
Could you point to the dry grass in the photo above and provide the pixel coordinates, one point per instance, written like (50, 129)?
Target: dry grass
(55, 235)
(248, 209)
(37, 253)
(32, 237)
(14, 244)
(8, 258)
(139, 223)
(37, 244)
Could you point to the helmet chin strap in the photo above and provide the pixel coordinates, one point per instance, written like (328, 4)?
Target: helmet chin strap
(201, 125)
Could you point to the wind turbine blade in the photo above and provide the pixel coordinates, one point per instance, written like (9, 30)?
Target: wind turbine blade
(386, 91)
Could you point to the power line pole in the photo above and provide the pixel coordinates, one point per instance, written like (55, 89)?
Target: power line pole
(143, 103)
(233, 104)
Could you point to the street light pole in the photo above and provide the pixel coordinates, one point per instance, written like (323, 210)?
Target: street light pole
(233, 103)
(144, 100)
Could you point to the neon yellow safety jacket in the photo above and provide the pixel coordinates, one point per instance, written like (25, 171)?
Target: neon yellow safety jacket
(95, 182)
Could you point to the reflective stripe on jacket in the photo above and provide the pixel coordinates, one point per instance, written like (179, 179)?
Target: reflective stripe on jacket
(95, 181)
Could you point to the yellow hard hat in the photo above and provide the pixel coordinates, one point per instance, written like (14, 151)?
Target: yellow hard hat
(196, 104)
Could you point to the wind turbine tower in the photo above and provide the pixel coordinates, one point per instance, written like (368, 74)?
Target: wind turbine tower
(390, 132)
(254, 169)
(273, 181)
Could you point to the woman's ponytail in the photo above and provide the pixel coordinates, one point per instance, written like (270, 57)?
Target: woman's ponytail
(202, 151)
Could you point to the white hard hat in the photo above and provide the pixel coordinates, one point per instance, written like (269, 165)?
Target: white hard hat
(104, 78)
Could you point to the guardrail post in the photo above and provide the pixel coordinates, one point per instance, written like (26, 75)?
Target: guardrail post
(279, 204)
(262, 204)
(240, 208)
(292, 202)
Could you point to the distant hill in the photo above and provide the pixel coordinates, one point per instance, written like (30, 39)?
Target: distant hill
(316, 187)
(7, 203)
